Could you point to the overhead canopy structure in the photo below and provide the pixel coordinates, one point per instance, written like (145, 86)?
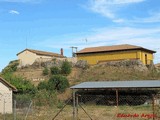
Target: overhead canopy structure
(118, 84)
(112, 85)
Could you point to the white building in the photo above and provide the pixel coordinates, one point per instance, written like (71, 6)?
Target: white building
(29, 56)
(6, 96)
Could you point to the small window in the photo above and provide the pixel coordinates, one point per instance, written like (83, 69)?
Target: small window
(146, 59)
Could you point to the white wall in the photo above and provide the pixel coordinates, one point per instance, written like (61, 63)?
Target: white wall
(5, 99)
(28, 58)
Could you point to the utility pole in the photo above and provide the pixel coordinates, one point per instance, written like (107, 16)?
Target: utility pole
(73, 53)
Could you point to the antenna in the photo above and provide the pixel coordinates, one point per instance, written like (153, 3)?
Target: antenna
(26, 42)
(86, 40)
(27, 39)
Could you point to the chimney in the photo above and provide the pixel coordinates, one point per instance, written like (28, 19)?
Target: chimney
(62, 51)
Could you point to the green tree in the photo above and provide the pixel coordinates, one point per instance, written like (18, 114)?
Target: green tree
(22, 85)
(66, 68)
(58, 82)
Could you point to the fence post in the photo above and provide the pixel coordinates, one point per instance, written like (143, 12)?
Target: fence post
(117, 100)
(74, 105)
(4, 109)
(28, 110)
(77, 106)
(14, 110)
(153, 106)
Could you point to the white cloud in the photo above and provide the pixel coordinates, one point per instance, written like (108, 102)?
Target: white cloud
(109, 8)
(145, 37)
(14, 12)
(108, 36)
(124, 1)
(154, 17)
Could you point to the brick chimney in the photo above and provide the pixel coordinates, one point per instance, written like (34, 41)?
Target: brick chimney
(62, 51)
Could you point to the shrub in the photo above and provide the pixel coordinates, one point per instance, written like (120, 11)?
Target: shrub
(42, 85)
(60, 104)
(11, 67)
(45, 71)
(58, 82)
(66, 68)
(22, 98)
(45, 98)
(22, 85)
(55, 70)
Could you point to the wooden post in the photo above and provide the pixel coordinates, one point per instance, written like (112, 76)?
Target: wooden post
(77, 106)
(4, 110)
(153, 106)
(14, 110)
(74, 105)
(117, 100)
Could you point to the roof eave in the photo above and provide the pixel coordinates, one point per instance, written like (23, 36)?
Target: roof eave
(151, 51)
(9, 85)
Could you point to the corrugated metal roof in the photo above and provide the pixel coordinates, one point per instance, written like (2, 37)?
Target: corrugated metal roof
(118, 84)
(112, 48)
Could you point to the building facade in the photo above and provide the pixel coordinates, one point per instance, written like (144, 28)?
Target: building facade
(95, 55)
(6, 97)
(29, 56)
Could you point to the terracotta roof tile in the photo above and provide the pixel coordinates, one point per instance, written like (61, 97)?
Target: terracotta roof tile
(112, 48)
(38, 52)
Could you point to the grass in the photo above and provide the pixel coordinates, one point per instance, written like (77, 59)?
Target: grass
(112, 73)
(96, 112)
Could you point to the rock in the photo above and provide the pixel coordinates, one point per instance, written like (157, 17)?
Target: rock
(82, 64)
(135, 64)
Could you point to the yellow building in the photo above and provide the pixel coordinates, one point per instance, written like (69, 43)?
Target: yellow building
(95, 55)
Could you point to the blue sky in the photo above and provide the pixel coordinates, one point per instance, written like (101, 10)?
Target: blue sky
(53, 24)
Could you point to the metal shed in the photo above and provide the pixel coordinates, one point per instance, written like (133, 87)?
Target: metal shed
(118, 84)
(114, 86)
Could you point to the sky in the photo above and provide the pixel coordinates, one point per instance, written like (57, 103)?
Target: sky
(50, 25)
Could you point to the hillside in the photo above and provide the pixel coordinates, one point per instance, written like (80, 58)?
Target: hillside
(124, 70)
(117, 70)
(157, 65)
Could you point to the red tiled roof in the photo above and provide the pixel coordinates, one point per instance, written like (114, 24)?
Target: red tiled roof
(112, 48)
(38, 52)
(8, 84)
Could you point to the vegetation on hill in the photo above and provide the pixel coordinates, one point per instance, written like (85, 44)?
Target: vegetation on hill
(53, 93)
(66, 68)
(55, 83)
(59, 77)
(12, 67)
(46, 90)
(118, 70)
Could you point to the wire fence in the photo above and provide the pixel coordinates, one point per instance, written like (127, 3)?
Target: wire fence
(102, 107)
(89, 107)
